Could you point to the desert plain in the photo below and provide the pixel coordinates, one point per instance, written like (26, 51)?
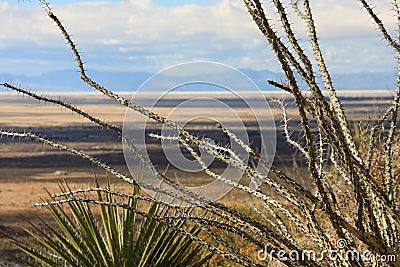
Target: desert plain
(27, 167)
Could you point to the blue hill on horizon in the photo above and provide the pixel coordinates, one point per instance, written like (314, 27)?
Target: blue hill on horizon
(69, 80)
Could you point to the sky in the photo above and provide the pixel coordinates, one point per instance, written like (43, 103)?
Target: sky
(150, 35)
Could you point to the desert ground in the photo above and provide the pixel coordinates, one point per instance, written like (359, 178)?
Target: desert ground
(27, 167)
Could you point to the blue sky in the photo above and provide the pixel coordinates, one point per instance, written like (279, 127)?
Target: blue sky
(145, 35)
(167, 3)
(179, 2)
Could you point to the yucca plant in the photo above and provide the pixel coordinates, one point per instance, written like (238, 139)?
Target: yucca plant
(121, 235)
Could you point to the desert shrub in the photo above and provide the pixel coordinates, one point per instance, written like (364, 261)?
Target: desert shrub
(122, 237)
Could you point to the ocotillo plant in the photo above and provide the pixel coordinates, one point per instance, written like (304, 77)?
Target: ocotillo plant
(359, 223)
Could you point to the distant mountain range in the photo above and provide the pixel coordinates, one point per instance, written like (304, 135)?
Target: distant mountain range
(69, 80)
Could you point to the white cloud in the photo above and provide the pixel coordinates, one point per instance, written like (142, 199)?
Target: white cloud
(141, 32)
(348, 19)
(25, 24)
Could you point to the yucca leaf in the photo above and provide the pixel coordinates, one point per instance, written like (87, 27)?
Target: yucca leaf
(107, 224)
(47, 243)
(72, 238)
(88, 228)
(128, 231)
